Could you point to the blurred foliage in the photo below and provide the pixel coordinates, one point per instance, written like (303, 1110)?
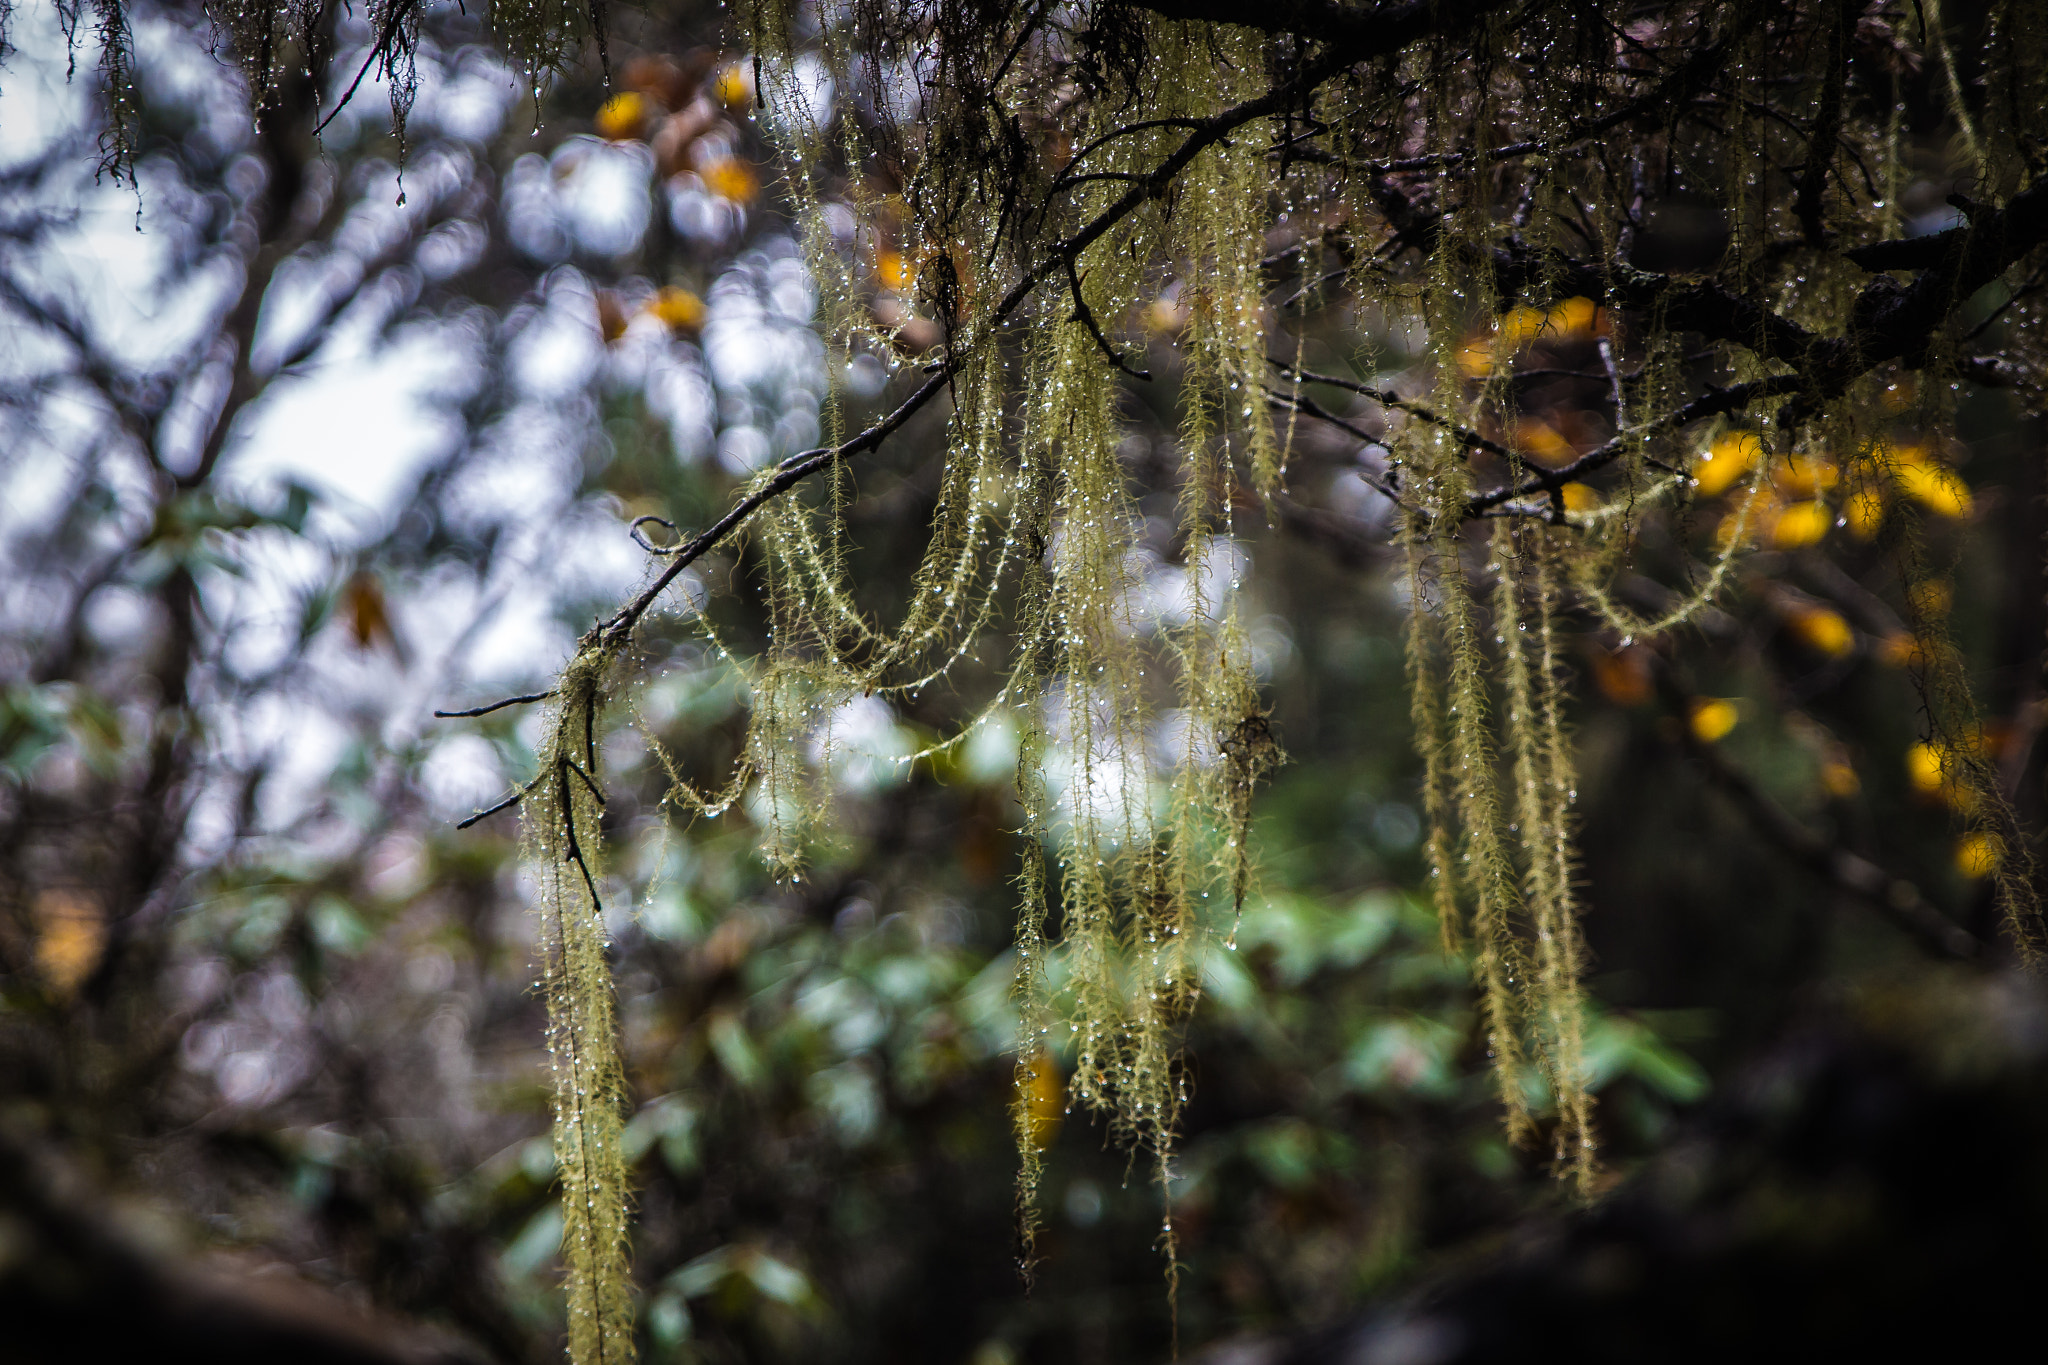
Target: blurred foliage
(253, 977)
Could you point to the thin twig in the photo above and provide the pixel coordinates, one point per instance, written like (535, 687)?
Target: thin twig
(1086, 316)
(398, 13)
(514, 799)
(575, 848)
(644, 543)
(1387, 398)
(1125, 131)
(587, 782)
(1713, 402)
(1897, 899)
(1307, 408)
(1395, 31)
(495, 706)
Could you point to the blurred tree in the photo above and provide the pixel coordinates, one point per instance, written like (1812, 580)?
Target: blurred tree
(1157, 329)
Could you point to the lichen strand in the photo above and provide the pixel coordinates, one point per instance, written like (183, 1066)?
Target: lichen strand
(538, 36)
(1219, 221)
(272, 40)
(109, 22)
(1543, 793)
(564, 849)
(1484, 874)
(994, 195)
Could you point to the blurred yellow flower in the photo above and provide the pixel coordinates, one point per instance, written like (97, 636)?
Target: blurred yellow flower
(1725, 461)
(1713, 717)
(623, 116)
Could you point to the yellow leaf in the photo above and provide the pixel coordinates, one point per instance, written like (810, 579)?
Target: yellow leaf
(1165, 316)
(611, 318)
(1576, 319)
(70, 936)
(1623, 677)
(734, 86)
(1979, 854)
(1712, 718)
(1821, 629)
(1932, 597)
(1520, 325)
(1725, 461)
(623, 116)
(1803, 523)
(364, 610)
(1839, 779)
(1541, 442)
(1865, 513)
(730, 179)
(1937, 772)
(1923, 767)
(1803, 476)
(1579, 498)
(894, 271)
(678, 309)
(1902, 651)
(1475, 358)
(1933, 484)
(1041, 1098)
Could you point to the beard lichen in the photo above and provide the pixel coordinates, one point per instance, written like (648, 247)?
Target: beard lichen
(562, 814)
(1052, 184)
(1070, 194)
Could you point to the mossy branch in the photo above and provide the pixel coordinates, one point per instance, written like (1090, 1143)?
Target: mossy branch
(564, 846)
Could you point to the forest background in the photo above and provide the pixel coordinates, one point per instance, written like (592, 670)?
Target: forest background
(306, 439)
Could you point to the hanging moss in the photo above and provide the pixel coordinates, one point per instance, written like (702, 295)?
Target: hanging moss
(1042, 177)
(565, 850)
(1544, 791)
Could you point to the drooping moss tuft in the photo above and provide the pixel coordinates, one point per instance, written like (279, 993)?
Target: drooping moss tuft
(562, 815)
(1048, 203)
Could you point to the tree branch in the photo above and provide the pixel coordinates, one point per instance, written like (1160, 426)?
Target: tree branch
(1386, 398)
(1388, 33)
(1712, 403)
(1896, 899)
(1362, 33)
